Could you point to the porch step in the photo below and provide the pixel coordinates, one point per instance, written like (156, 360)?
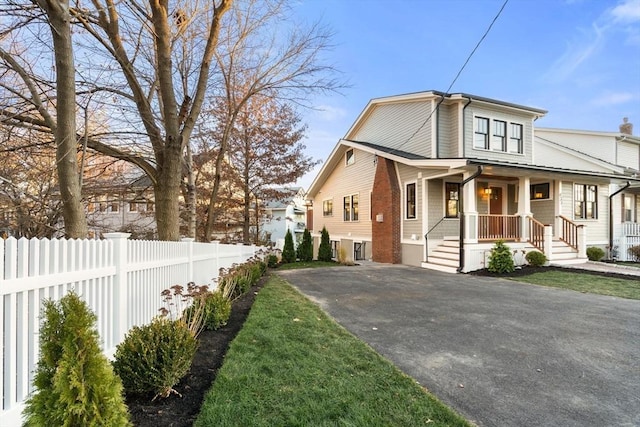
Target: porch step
(438, 267)
(561, 252)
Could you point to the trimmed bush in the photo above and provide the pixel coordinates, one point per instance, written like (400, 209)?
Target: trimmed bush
(324, 250)
(634, 251)
(288, 252)
(535, 258)
(594, 253)
(272, 261)
(74, 382)
(154, 357)
(305, 250)
(500, 259)
(216, 310)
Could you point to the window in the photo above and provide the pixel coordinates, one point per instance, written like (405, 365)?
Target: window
(150, 206)
(133, 207)
(499, 141)
(515, 139)
(349, 157)
(627, 208)
(481, 135)
(452, 191)
(539, 191)
(585, 201)
(410, 208)
(350, 212)
(327, 207)
(114, 206)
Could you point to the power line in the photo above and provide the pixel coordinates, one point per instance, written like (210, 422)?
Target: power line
(456, 77)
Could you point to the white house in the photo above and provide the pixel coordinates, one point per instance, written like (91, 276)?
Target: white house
(282, 215)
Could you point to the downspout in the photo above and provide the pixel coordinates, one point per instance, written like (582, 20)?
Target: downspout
(611, 214)
(464, 133)
(461, 208)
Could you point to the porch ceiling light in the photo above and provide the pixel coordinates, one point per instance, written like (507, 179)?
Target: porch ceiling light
(487, 191)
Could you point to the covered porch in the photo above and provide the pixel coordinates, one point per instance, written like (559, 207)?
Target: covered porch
(527, 211)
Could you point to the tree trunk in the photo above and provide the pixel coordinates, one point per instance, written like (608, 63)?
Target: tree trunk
(167, 194)
(75, 221)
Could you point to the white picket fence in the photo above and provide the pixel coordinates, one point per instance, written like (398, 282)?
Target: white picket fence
(120, 279)
(629, 236)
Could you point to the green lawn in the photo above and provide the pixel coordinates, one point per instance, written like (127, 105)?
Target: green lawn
(585, 283)
(292, 365)
(309, 264)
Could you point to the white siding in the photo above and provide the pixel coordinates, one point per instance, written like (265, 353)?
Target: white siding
(547, 155)
(400, 125)
(629, 155)
(600, 146)
(597, 229)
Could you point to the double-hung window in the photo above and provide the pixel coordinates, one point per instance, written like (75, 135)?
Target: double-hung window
(627, 208)
(585, 201)
(499, 140)
(481, 133)
(410, 207)
(350, 210)
(515, 139)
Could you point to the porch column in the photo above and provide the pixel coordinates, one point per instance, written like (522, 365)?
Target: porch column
(582, 241)
(470, 210)
(524, 206)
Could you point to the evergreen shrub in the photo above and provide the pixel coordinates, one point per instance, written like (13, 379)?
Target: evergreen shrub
(288, 252)
(305, 250)
(535, 258)
(324, 250)
(500, 259)
(74, 382)
(594, 253)
(154, 357)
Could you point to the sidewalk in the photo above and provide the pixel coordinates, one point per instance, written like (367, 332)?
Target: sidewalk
(604, 267)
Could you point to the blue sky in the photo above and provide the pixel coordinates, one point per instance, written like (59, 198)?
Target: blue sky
(578, 59)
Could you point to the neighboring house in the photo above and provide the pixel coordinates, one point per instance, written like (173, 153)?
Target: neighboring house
(434, 180)
(620, 148)
(282, 215)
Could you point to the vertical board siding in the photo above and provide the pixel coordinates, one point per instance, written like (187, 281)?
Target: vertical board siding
(401, 125)
(38, 269)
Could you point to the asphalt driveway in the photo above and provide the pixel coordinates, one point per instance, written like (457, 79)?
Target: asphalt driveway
(499, 352)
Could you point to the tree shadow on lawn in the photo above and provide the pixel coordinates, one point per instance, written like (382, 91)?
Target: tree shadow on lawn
(179, 411)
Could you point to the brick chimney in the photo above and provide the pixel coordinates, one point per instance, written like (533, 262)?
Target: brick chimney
(626, 127)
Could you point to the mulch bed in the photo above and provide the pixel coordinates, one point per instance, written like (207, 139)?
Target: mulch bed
(527, 270)
(182, 411)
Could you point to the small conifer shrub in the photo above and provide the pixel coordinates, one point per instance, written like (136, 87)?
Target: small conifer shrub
(535, 258)
(305, 250)
(500, 259)
(324, 250)
(288, 252)
(594, 253)
(74, 382)
(154, 357)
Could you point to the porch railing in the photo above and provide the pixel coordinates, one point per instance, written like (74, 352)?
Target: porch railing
(536, 233)
(499, 227)
(630, 229)
(569, 232)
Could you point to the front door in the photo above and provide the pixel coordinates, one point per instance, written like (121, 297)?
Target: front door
(495, 201)
(495, 208)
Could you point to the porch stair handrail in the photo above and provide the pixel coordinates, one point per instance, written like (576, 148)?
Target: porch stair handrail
(569, 231)
(426, 237)
(536, 233)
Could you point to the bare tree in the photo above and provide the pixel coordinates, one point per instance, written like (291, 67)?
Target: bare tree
(257, 57)
(63, 124)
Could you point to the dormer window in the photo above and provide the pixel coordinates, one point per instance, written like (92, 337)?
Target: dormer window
(350, 157)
